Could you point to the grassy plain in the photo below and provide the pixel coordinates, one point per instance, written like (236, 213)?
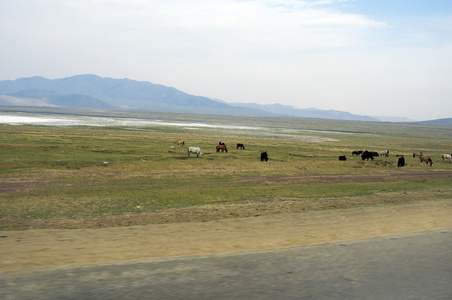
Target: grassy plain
(76, 172)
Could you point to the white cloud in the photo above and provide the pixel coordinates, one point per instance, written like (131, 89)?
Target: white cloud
(208, 27)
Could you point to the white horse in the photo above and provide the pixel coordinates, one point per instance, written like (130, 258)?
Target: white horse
(196, 150)
(447, 156)
(384, 153)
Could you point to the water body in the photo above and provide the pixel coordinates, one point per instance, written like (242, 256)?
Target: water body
(104, 121)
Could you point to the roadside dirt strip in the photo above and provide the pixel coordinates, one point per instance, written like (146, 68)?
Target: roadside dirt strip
(41, 248)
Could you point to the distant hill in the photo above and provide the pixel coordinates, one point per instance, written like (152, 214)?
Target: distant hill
(291, 111)
(96, 93)
(443, 122)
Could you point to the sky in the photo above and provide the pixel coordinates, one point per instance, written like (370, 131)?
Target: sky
(367, 57)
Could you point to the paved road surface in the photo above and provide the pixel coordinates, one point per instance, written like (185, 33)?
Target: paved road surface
(409, 266)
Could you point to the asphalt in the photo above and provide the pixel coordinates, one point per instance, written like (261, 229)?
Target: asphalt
(409, 266)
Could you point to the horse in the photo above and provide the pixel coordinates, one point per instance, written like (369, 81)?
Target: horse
(366, 155)
(426, 160)
(401, 162)
(222, 148)
(384, 153)
(239, 145)
(196, 150)
(179, 143)
(264, 156)
(447, 156)
(357, 153)
(417, 154)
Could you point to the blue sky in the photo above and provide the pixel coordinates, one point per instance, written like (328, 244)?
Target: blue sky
(370, 57)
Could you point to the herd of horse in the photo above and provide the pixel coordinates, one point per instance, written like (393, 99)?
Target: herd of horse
(365, 155)
(221, 147)
(424, 160)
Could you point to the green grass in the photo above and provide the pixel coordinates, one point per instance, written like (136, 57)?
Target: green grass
(61, 171)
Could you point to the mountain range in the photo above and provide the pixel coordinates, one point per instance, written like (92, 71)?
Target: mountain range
(92, 92)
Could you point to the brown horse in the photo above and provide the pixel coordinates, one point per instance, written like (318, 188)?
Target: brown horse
(417, 154)
(426, 160)
(223, 148)
(179, 143)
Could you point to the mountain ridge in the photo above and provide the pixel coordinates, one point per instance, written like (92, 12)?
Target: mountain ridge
(90, 91)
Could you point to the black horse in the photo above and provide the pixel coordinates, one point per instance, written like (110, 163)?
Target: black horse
(401, 162)
(366, 155)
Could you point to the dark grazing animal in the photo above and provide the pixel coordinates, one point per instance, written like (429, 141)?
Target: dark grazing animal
(426, 160)
(240, 146)
(223, 148)
(264, 156)
(401, 162)
(357, 153)
(342, 157)
(366, 155)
